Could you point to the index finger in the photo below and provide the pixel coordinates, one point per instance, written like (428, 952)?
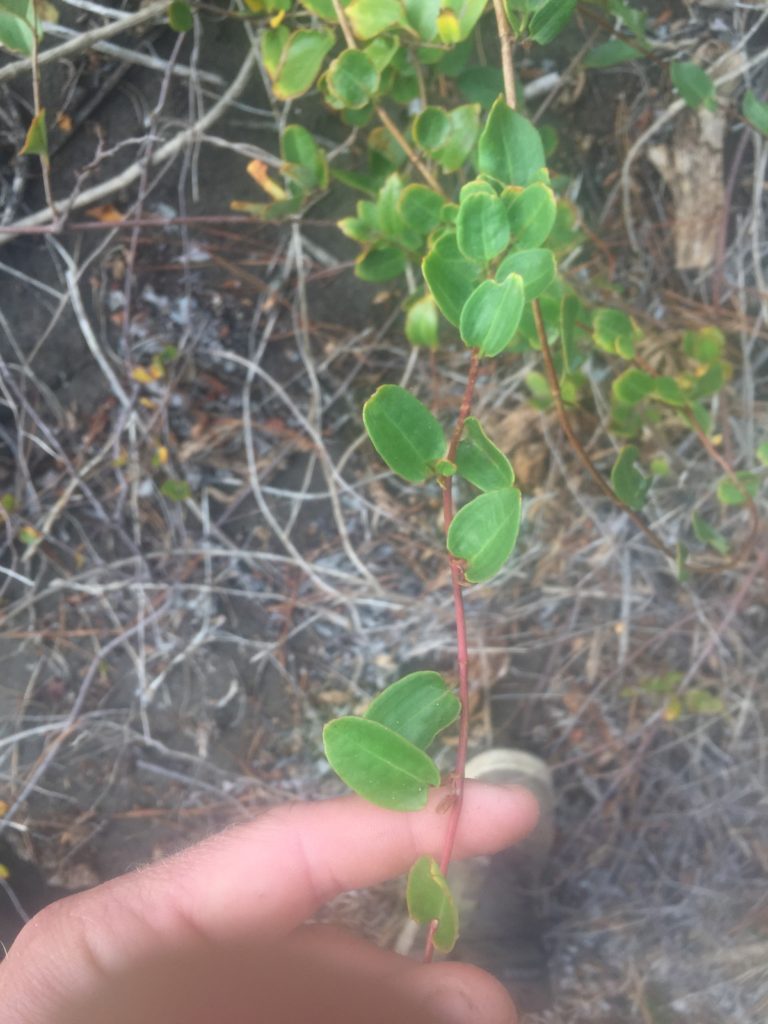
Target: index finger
(275, 872)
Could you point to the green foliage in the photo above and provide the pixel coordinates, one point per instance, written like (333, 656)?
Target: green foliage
(510, 148)
(694, 84)
(36, 142)
(611, 53)
(422, 322)
(484, 532)
(351, 80)
(429, 899)
(480, 462)
(460, 192)
(180, 16)
(175, 490)
(738, 489)
(379, 764)
(293, 59)
(627, 480)
(491, 315)
(450, 276)
(532, 214)
(404, 432)
(549, 20)
(416, 707)
(19, 25)
(755, 111)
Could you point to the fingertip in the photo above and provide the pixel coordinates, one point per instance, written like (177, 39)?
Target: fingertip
(452, 993)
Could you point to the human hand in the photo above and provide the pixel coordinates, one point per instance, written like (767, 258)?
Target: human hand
(215, 935)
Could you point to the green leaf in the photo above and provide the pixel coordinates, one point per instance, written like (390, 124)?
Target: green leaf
(175, 490)
(421, 322)
(463, 131)
(755, 111)
(481, 85)
(614, 332)
(370, 17)
(420, 208)
(304, 161)
(382, 51)
(299, 60)
(705, 345)
(422, 17)
(404, 432)
(378, 764)
(484, 532)
(666, 389)
(431, 128)
(451, 277)
(548, 21)
(738, 491)
(17, 18)
(627, 481)
(429, 899)
(180, 16)
(381, 263)
(694, 84)
(532, 215)
(510, 148)
(480, 462)
(36, 142)
(702, 702)
(352, 79)
(416, 707)
(709, 535)
(615, 51)
(762, 453)
(322, 8)
(537, 384)
(478, 186)
(632, 386)
(482, 227)
(659, 466)
(468, 13)
(491, 315)
(535, 266)
(681, 563)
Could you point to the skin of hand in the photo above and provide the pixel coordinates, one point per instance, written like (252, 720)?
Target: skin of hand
(216, 934)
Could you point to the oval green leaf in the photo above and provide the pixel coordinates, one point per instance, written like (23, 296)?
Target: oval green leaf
(404, 432)
(431, 128)
(548, 21)
(429, 899)
(491, 315)
(462, 134)
(416, 707)
(482, 227)
(299, 61)
(627, 480)
(738, 489)
(613, 331)
(378, 764)
(694, 84)
(352, 79)
(380, 263)
(180, 16)
(632, 386)
(450, 276)
(532, 214)
(536, 267)
(480, 462)
(421, 322)
(370, 17)
(484, 532)
(510, 148)
(420, 208)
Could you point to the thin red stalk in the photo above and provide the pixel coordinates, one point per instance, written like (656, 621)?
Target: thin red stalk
(462, 652)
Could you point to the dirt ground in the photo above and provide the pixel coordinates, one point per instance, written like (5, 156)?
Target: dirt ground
(170, 656)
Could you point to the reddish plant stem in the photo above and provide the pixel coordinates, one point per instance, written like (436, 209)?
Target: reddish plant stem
(462, 652)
